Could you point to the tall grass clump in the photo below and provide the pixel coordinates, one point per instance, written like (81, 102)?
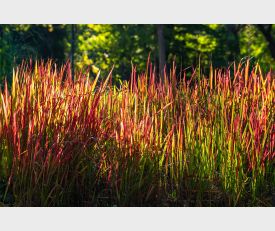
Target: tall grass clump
(187, 140)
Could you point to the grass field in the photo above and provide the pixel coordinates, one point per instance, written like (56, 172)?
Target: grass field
(190, 139)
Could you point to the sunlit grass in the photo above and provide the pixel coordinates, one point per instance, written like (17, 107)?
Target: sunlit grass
(194, 140)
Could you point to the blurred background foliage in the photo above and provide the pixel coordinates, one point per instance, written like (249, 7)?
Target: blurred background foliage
(99, 47)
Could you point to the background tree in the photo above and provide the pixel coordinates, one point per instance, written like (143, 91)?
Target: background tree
(101, 46)
(161, 48)
(18, 42)
(269, 36)
(72, 48)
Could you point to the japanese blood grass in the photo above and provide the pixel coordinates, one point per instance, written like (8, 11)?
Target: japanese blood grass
(199, 140)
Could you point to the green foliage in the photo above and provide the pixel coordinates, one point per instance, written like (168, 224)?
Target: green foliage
(193, 41)
(99, 47)
(253, 44)
(23, 42)
(120, 45)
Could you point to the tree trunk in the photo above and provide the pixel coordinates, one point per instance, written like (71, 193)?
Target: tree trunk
(161, 47)
(72, 49)
(233, 43)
